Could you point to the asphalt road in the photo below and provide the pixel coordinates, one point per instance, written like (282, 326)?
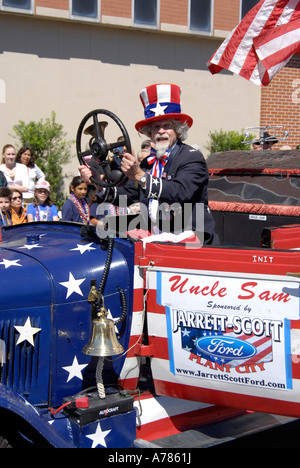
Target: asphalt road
(285, 436)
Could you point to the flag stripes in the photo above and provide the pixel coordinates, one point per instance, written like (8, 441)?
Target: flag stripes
(262, 43)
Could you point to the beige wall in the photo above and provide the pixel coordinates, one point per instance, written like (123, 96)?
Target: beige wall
(73, 68)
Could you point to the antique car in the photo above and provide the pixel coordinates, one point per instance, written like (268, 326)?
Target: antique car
(112, 342)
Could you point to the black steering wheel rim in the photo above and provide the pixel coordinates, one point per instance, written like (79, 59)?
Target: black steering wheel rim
(99, 149)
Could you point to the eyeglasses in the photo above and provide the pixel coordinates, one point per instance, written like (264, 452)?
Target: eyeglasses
(16, 198)
(164, 125)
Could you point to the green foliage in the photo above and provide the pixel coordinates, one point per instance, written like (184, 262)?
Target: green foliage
(226, 141)
(51, 149)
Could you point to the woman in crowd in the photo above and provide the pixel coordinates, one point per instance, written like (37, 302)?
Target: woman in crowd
(35, 174)
(18, 212)
(15, 173)
(42, 208)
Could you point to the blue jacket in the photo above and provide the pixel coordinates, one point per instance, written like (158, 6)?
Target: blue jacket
(183, 185)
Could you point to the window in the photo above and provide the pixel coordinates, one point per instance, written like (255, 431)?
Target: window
(18, 4)
(200, 15)
(145, 12)
(246, 6)
(86, 8)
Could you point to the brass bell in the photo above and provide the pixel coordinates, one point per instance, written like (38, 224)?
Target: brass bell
(103, 340)
(91, 129)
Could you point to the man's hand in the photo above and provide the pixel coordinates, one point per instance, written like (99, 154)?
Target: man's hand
(131, 167)
(85, 173)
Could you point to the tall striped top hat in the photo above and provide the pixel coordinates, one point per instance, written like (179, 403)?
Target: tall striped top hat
(162, 101)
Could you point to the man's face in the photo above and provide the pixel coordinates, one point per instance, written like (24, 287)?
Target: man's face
(163, 136)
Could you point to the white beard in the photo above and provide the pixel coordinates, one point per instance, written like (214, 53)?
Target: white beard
(161, 148)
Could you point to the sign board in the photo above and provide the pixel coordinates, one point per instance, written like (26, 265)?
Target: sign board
(230, 329)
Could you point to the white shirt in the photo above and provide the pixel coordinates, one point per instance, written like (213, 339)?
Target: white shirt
(21, 176)
(34, 174)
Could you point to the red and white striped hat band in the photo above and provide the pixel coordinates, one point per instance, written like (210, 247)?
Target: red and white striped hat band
(160, 102)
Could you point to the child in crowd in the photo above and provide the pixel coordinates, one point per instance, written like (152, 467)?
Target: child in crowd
(18, 212)
(76, 208)
(42, 208)
(5, 201)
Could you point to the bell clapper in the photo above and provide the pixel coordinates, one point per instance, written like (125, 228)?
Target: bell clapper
(99, 380)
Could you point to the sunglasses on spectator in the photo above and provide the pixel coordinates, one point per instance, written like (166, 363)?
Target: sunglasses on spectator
(17, 198)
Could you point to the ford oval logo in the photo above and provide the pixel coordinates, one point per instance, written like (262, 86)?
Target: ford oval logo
(226, 348)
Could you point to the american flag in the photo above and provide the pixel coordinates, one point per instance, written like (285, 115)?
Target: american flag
(262, 43)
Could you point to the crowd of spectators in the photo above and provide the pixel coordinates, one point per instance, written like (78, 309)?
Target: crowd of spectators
(25, 195)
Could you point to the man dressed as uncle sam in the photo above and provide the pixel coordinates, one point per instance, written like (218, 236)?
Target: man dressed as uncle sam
(171, 183)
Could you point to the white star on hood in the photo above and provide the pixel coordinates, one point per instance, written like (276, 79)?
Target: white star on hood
(30, 246)
(9, 263)
(98, 437)
(84, 248)
(73, 285)
(26, 332)
(75, 369)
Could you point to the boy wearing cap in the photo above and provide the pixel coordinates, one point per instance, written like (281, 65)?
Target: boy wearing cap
(173, 175)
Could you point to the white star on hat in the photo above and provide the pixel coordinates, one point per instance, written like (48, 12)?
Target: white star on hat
(73, 285)
(159, 110)
(98, 437)
(26, 332)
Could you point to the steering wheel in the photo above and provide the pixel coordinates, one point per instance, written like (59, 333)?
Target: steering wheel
(106, 168)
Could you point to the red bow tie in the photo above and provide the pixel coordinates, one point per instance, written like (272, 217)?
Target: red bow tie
(152, 158)
(158, 164)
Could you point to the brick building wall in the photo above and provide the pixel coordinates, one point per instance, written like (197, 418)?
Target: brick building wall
(59, 4)
(174, 12)
(226, 14)
(280, 102)
(117, 8)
